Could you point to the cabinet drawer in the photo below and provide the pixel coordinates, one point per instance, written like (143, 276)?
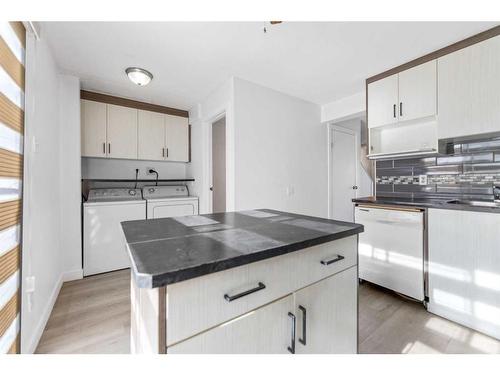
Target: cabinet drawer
(198, 304)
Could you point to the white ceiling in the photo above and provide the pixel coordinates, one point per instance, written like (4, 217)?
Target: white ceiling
(318, 62)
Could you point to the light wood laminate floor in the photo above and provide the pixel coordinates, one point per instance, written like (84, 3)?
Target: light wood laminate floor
(93, 316)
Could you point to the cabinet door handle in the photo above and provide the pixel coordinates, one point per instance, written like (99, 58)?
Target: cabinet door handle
(302, 339)
(394, 110)
(109, 148)
(104, 148)
(330, 261)
(163, 151)
(167, 152)
(291, 348)
(400, 108)
(229, 298)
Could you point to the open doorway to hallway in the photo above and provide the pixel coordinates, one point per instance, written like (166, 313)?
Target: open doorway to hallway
(218, 187)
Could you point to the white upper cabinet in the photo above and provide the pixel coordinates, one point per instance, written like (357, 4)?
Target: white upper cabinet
(151, 135)
(468, 91)
(177, 138)
(418, 92)
(113, 131)
(122, 132)
(93, 128)
(382, 101)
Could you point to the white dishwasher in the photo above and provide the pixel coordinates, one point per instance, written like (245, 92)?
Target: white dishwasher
(391, 248)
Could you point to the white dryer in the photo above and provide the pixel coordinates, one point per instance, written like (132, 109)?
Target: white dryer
(169, 201)
(103, 240)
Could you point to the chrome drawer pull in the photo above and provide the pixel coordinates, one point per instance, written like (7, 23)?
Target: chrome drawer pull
(229, 298)
(330, 261)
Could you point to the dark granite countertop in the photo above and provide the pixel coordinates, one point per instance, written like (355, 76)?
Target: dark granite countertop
(424, 203)
(166, 251)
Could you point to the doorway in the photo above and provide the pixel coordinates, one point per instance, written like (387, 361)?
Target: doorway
(343, 172)
(219, 165)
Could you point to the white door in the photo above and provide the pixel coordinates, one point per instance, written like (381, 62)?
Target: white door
(382, 102)
(267, 330)
(151, 135)
(219, 166)
(418, 92)
(343, 173)
(327, 316)
(93, 128)
(177, 138)
(122, 132)
(103, 244)
(468, 94)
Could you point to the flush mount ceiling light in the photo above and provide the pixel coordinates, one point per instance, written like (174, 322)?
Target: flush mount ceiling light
(139, 76)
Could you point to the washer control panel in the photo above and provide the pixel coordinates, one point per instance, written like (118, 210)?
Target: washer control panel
(96, 195)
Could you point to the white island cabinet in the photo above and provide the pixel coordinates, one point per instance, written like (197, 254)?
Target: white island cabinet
(301, 302)
(464, 268)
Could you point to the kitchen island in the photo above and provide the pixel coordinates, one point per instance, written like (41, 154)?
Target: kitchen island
(259, 281)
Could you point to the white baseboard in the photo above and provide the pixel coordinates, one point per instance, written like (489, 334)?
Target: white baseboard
(72, 275)
(44, 318)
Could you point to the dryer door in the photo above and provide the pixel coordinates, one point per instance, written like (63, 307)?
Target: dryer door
(172, 209)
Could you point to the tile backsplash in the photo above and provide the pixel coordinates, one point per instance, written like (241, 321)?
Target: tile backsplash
(469, 170)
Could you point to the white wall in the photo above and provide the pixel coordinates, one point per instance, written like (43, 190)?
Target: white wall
(345, 108)
(119, 168)
(42, 192)
(70, 185)
(281, 154)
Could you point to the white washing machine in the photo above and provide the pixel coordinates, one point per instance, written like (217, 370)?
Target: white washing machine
(103, 240)
(169, 201)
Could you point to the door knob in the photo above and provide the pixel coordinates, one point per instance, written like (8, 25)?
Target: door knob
(211, 188)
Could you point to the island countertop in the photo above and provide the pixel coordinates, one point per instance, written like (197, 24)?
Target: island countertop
(170, 250)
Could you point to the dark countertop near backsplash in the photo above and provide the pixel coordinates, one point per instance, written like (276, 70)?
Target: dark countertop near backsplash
(169, 250)
(423, 203)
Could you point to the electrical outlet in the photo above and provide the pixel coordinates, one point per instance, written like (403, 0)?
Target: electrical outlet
(30, 284)
(422, 179)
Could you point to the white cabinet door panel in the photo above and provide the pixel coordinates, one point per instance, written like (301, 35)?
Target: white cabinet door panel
(464, 268)
(267, 330)
(417, 92)
(93, 128)
(330, 311)
(151, 135)
(177, 138)
(468, 94)
(382, 102)
(122, 132)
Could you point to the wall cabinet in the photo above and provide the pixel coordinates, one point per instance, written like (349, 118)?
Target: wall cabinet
(405, 96)
(464, 268)
(113, 131)
(402, 112)
(93, 128)
(468, 94)
(121, 132)
(151, 135)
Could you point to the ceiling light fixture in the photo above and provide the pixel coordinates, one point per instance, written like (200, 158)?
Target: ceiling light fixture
(139, 76)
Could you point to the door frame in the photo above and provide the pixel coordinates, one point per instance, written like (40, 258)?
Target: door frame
(211, 121)
(331, 179)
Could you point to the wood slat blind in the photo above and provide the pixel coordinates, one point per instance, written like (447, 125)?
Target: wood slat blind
(12, 52)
